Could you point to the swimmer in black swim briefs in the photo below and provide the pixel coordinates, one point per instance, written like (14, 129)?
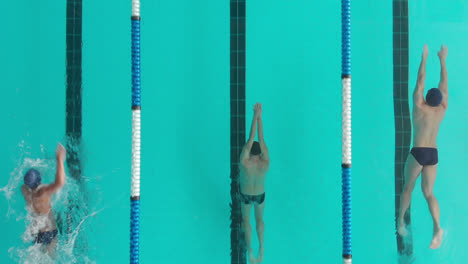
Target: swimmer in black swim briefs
(427, 116)
(254, 164)
(46, 237)
(38, 199)
(248, 199)
(425, 156)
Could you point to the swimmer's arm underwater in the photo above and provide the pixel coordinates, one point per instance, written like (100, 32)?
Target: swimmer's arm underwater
(248, 146)
(60, 174)
(261, 141)
(443, 85)
(418, 95)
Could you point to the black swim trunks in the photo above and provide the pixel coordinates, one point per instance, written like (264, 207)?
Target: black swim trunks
(425, 156)
(45, 238)
(247, 199)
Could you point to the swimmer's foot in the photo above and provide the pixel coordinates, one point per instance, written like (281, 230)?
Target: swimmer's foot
(401, 228)
(437, 239)
(251, 256)
(260, 255)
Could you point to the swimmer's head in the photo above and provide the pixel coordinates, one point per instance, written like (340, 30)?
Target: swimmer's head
(32, 178)
(255, 150)
(434, 97)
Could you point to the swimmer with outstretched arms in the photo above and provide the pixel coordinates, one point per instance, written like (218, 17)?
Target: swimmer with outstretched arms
(423, 159)
(38, 197)
(254, 165)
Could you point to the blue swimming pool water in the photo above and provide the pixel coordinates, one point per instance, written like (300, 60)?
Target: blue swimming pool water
(293, 68)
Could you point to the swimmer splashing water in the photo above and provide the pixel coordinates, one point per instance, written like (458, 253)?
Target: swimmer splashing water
(38, 197)
(423, 159)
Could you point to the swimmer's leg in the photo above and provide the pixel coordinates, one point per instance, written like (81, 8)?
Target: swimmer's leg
(429, 174)
(247, 229)
(412, 171)
(52, 247)
(260, 228)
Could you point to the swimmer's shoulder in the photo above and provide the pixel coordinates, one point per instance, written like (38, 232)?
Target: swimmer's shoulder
(42, 191)
(422, 111)
(245, 164)
(261, 168)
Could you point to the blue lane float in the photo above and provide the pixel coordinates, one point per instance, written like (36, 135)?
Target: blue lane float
(136, 137)
(346, 129)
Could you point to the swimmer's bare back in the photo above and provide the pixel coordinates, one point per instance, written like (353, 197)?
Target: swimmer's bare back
(252, 177)
(38, 199)
(427, 119)
(38, 202)
(426, 123)
(253, 168)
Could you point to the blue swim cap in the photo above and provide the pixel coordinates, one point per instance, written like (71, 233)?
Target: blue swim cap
(32, 178)
(434, 97)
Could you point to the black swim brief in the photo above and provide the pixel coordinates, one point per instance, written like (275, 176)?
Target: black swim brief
(247, 199)
(425, 156)
(46, 237)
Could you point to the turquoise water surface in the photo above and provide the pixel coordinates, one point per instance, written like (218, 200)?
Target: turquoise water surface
(293, 68)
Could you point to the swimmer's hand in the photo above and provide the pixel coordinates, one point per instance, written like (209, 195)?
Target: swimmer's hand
(443, 52)
(425, 51)
(60, 153)
(257, 110)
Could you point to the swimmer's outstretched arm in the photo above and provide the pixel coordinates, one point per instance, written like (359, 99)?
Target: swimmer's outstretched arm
(60, 154)
(261, 140)
(443, 84)
(246, 151)
(418, 95)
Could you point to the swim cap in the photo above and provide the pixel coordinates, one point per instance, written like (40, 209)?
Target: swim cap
(434, 97)
(255, 150)
(32, 178)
